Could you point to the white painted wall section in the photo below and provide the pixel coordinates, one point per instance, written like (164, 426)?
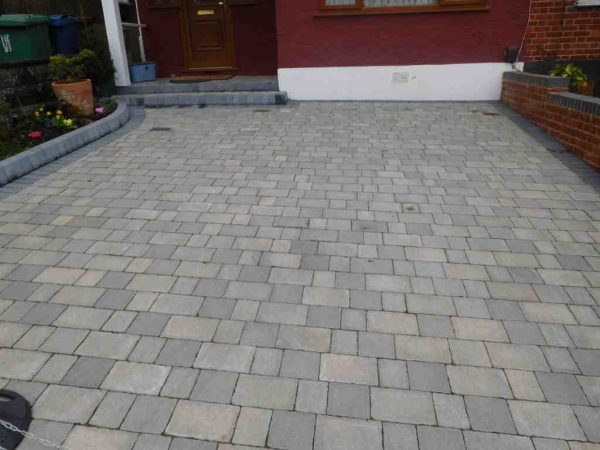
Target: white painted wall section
(449, 82)
(116, 43)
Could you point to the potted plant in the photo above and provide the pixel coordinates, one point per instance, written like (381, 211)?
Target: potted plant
(578, 78)
(70, 81)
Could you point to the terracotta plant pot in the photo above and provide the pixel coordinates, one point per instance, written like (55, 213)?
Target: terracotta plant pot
(585, 88)
(78, 95)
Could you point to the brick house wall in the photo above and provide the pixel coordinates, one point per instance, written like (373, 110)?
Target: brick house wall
(559, 30)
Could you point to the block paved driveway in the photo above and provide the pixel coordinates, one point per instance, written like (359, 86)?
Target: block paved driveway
(355, 276)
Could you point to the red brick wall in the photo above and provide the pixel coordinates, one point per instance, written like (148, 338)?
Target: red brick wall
(397, 39)
(559, 30)
(576, 130)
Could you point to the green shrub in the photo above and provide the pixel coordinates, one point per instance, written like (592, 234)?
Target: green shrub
(576, 75)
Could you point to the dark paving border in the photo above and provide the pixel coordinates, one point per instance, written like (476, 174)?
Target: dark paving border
(25, 162)
(531, 129)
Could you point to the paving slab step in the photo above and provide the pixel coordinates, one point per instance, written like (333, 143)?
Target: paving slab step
(235, 84)
(207, 98)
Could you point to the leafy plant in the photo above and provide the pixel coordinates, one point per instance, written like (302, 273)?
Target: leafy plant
(66, 69)
(577, 76)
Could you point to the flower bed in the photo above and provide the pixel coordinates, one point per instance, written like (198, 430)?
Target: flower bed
(20, 130)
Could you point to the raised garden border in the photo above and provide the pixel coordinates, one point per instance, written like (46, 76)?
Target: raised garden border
(29, 160)
(572, 119)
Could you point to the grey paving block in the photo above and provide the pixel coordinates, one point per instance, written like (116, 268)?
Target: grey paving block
(489, 414)
(291, 430)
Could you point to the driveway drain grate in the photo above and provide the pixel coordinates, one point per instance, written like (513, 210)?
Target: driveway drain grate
(160, 129)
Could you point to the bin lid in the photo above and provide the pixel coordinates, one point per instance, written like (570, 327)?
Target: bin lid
(58, 20)
(22, 20)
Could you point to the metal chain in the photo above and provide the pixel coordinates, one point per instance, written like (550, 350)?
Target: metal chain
(27, 434)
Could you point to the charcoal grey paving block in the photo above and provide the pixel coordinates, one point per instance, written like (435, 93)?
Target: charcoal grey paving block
(43, 314)
(428, 377)
(337, 433)
(312, 396)
(259, 334)
(435, 326)
(149, 324)
(214, 386)
(324, 317)
(149, 414)
(377, 345)
(560, 360)
(520, 332)
(291, 430)
(435, 438)
(348, 400)
(299, 364)
(218, 308)
(589, 419)
(177, 352)
(398, 436)
(505, 309)
(115, 280)
(489, 414)
(88, 372)
(115, 299)
(587, 360)
(561, 388)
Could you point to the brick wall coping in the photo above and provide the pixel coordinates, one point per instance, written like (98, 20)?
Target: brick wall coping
(583, 103)
(27, 161)
(537, 80)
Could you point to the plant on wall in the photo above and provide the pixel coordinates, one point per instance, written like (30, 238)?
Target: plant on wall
(578, 78)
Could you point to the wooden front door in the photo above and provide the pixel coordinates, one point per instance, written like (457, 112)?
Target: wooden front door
(208, 35)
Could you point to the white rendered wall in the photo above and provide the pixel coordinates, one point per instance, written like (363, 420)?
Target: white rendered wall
(481, 81)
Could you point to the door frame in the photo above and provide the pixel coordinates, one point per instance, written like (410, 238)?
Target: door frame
(185, 32)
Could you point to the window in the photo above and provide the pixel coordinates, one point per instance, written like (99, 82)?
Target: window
(394, 6)
(588, 3)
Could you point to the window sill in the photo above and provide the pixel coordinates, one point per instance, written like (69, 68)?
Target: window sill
(405, 10)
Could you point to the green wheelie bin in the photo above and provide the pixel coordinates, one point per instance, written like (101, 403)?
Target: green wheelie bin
(24, 37)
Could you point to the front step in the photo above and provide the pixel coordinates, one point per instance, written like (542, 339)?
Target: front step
(239, 84)
(207, 98)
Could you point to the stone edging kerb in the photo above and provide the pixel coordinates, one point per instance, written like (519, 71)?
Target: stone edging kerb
(29, 160)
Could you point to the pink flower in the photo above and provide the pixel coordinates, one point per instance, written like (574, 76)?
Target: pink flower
(35, 135)
(100, 110)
